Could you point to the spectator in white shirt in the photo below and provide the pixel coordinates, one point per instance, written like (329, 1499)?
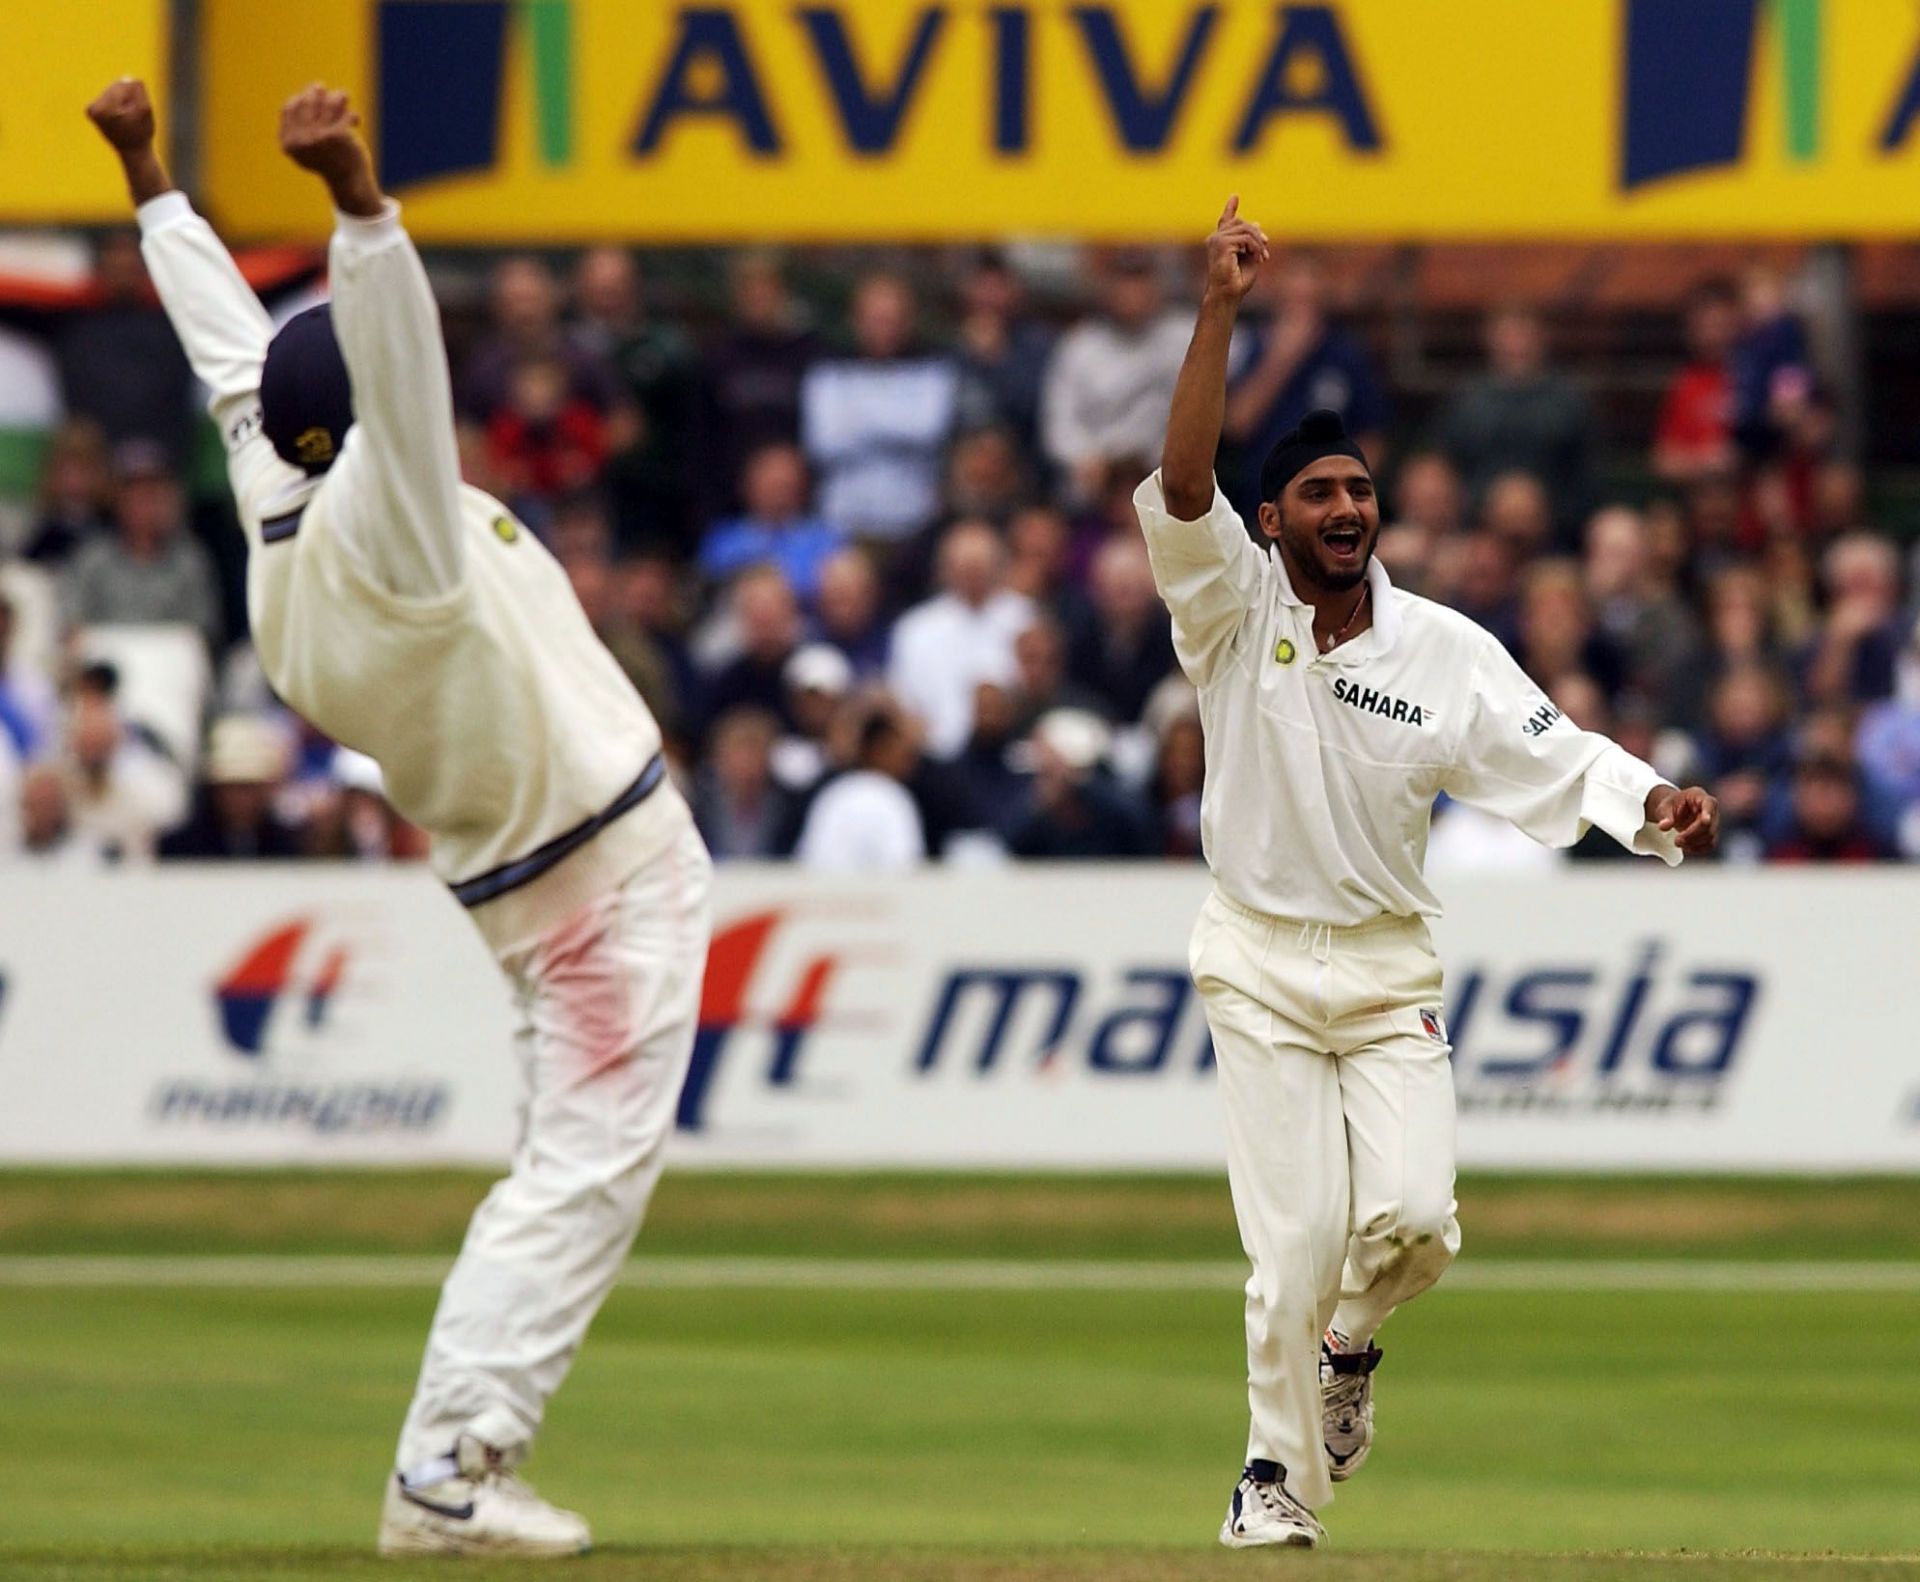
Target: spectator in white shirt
(1110, 384)
(866, 821)
(876, 424)
(944, 648)
(122, 792)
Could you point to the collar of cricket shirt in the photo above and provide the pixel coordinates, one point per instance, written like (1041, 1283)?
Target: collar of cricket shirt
(1385, 627)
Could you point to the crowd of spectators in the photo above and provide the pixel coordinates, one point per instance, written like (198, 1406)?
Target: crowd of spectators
(878, 574)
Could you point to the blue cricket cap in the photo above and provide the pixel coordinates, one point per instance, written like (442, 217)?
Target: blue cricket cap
(306, 399)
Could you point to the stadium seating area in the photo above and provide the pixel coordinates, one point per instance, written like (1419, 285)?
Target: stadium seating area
(837, 511)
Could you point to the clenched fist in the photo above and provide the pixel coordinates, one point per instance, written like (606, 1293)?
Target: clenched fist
(319, 131)
(124, 114)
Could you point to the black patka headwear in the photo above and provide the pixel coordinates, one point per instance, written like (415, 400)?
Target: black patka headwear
(306, 400)
(1321, 434)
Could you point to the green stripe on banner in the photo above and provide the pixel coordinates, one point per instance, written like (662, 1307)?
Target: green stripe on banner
(550, 23)
(1800, 46)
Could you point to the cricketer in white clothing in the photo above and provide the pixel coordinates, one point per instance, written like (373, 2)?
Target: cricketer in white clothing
(1336, 708)
(412, 619)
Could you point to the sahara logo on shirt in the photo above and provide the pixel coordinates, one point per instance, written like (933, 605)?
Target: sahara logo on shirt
(1542, 720)
(1370, 701)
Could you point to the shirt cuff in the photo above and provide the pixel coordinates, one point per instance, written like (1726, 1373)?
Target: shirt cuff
(1613, 797)
(370, 231)
(170, 208)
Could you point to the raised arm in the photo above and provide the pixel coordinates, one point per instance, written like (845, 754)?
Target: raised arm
(1235, 251)
(219, 320)
(398, 490)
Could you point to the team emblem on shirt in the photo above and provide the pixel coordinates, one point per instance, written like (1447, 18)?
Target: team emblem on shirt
(506, 529)
(1284, 651)
(1431, 1024)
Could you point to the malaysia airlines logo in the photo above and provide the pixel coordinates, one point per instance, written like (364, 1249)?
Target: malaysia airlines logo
(737, 967)
(277, 973)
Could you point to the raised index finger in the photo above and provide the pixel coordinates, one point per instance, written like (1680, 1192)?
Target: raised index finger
(1232, 208)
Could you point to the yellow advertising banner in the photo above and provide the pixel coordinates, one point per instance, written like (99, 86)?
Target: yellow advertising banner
(506, 120)
(55, 55)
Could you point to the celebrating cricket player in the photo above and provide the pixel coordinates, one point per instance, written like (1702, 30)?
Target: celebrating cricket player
(1336, 709)
(413, 619)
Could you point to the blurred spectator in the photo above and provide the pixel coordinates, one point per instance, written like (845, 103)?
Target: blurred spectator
(1888, 748)
(742, 811)
(150, 570)
(753, 375)
(358, 824)
(848, 612)
(29, 705)
(29, 384)
(1295, 361)
(1860, 638)
(1042, 682)
(777, 526)
(75, 497)
(1827, 825)
(993, 785)
(1520, 416)
(580, 545)
(1126, 649)
(122, 791)
(543, 439)
(1557, 631)
(45, 825)
(985, 477)
(1772, 380)
(865, 820)
(1516, 510)
(1744, 747)
(818, 679)
(1645, 619)
(1178, 780)
(1040, 564)
(1075, 809)
(654, 367)
(875, 424)
(234, 818)
(1109, 386)
(1003, 353)
(1474, 573)
(1428, 504)
(524, 307)
(768, 620)
(1693, 435)
(120, 362)
(943, 649)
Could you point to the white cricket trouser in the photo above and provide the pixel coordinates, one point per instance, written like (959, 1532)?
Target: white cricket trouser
(607, 1006)
(1340, 1145)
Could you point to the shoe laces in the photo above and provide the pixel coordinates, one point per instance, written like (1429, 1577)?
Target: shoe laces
(1346, 1395)
(1276, 1501)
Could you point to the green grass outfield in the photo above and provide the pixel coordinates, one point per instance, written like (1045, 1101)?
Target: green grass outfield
(900, 1377)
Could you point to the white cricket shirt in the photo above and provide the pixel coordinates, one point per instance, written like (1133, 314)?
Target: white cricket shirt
(1321, 770)
(408, 616)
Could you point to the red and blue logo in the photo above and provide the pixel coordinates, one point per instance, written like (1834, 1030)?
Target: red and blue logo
(265, 979)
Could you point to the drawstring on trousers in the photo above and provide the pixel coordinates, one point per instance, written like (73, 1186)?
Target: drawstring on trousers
(1317, 938)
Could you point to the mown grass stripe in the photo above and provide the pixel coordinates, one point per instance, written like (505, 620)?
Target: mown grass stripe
(955, 1274)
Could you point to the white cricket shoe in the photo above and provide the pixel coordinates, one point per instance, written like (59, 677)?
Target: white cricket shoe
(1346, 1405)
(1263, 1514)
(481, 1507)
